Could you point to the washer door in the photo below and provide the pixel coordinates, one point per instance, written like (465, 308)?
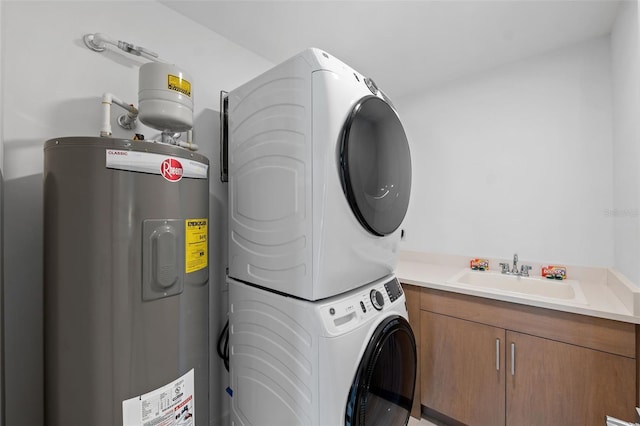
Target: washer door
(375, 165)
(382, 391)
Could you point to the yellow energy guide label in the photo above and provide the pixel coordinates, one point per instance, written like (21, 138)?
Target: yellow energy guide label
(179, 84)
(196, 235)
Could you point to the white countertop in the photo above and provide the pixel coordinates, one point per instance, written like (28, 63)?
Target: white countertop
(608, 294)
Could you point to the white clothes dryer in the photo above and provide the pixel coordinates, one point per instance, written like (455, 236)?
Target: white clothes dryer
(347, 360)
(319, 179)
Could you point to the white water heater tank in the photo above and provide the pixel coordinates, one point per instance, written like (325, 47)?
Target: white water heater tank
(165, 97)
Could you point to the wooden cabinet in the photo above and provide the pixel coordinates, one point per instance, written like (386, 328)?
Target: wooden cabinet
(487, 362)
(463, 369)
(554, 383)
(412, 297)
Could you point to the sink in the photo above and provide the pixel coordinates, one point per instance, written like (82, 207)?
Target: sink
(530, 287)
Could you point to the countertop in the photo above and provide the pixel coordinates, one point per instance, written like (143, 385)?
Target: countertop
(608, 293)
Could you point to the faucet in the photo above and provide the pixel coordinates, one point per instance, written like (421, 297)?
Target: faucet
(523, 272)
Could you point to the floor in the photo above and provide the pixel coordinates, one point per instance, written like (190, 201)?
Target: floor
(422, 422)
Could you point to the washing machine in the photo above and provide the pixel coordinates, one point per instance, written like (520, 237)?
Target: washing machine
(347, 360)
(319, 179)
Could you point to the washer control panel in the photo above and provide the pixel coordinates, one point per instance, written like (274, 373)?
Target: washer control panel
(394, 290)
(343, 312)
(377, 299)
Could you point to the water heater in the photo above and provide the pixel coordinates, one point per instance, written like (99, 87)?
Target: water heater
(126, 292)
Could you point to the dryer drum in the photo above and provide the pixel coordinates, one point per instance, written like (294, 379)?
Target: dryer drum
(382, 391)
(375, 166)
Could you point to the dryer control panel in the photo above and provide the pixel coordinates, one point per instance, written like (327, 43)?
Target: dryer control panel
(345, 312)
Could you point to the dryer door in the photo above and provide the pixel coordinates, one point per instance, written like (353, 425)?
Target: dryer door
(375, 166)
(382, 391)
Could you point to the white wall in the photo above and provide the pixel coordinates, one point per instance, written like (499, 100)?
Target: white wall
(517, 159)
(625, 60)
(52, 85)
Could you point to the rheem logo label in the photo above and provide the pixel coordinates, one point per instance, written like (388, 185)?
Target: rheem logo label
(171, 170)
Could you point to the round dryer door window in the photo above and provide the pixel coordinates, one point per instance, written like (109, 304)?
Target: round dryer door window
(382, 391)
(376, 166)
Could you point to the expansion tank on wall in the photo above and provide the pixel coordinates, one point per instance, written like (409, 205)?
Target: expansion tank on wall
(126, 283)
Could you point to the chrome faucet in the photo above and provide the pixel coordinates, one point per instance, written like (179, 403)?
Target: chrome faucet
(523, 272)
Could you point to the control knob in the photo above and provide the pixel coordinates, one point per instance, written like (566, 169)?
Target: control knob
(377, 299)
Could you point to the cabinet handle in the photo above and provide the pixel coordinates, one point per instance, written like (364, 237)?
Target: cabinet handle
(498, 354)
(513, 359)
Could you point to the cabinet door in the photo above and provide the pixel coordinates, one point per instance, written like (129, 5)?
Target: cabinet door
(412, 296)
(556, 383)
(463, 369)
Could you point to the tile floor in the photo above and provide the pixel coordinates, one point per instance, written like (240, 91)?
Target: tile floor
(422, 422)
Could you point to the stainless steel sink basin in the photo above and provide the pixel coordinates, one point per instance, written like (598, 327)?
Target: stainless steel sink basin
(531, 287)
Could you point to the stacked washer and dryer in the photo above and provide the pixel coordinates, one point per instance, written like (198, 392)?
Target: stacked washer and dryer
(319, 181)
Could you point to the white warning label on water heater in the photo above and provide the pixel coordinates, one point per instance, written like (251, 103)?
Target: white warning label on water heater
(171, 168)
(170, 405)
